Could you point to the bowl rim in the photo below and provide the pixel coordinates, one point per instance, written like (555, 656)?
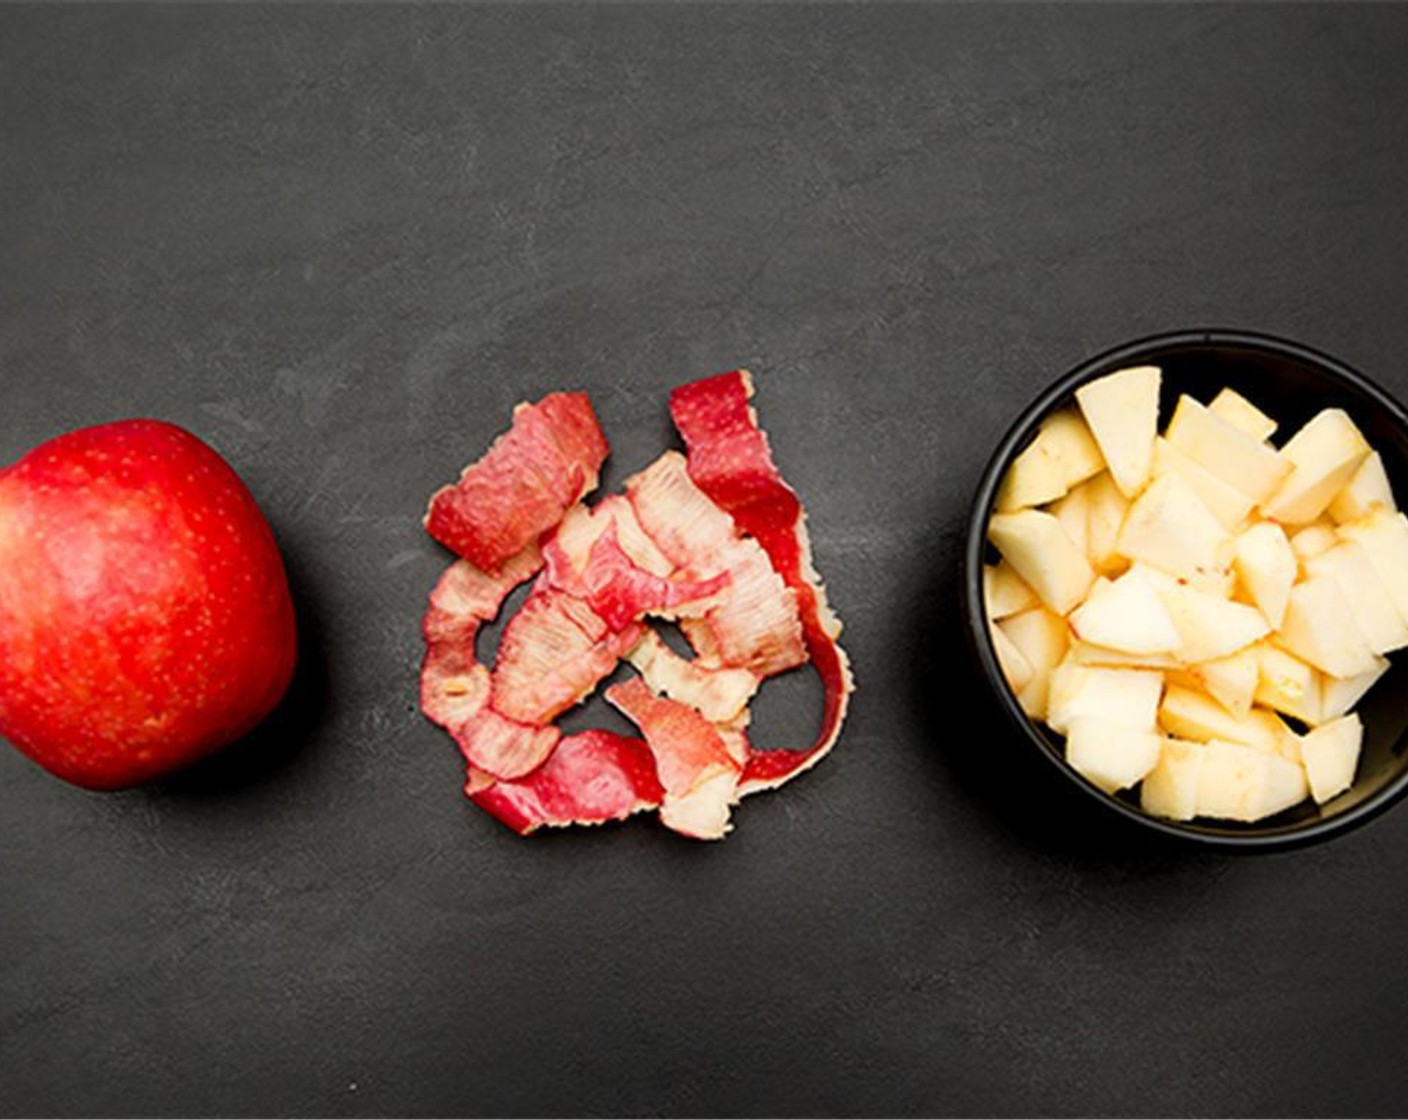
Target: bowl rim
(974, 609)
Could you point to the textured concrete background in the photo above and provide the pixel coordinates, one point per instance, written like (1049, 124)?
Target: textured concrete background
(340, 243)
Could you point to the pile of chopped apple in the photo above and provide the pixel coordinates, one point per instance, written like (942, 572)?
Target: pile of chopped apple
(1198, 612)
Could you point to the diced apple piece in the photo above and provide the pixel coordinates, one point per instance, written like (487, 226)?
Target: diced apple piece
(1367, 491)
(1314, 540)
(1014, 664)
(1287, 684)
(1288, 745)
(1231, 681)
(1169, 528)
(1160, 581)
(1197, 716)
(1267, 568)
(1210, 627)
(1385, 538)
(1122, 412)
(1227, 451)
(1219, 583)
(1044, 556)
(1129, 697)
(1109, 754)
(1108, 508)
(1338, 696)
(1240, 783)
(1330, 755)
(1062, 454)
(1348, 566)
(1127, 615)
(1287, 785)
(1073, 512)
(1084, 653)
(1319, 628)
(1170, 789)
(1042, 638)
(1005, 592)
(1325, 455)
(1231, 406)
(1225, 502)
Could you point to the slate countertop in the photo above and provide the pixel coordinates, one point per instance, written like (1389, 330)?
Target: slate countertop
(340, 242)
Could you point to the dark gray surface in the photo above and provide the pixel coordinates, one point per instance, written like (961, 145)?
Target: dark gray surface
(340, 243)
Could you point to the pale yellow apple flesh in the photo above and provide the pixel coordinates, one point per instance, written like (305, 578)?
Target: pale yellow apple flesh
(1108, 753)
(1005, 592)
(1042, 639)
(1063, 454)
(1367, 491)
(1228, 452)
(1267, 568)
(1126, 615)
(1330, 754)
(1163, 602)
(1044, 556)
(1122, 412)
(1231, 406)
(1224, 501)
(1325, 454)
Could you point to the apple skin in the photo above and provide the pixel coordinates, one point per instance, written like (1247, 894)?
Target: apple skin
(145, 616)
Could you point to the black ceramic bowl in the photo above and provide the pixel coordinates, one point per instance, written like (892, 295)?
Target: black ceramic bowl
(1290, 383)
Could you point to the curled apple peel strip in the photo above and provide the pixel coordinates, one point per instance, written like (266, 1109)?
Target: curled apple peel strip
(716, 541)
(731, 461)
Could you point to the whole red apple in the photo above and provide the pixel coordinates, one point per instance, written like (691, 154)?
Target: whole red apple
(145, 618)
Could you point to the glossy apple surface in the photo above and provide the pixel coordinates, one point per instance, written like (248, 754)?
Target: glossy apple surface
(145, 617)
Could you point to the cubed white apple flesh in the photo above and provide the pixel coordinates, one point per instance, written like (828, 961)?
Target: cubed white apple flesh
(1287, 786)
(1216, 582)
(1085, 653)
(1385, 538)
(1042, 638)
(1330, 755)
(1125, 614)
(1227, 451)
(1210, 627)
(1287, 684)
(1107, 510)
(1193, 715)
(1062, 455)
(1338, 696)
(1044, 556)
(1349, 567)
(1122, 411)
(1170, 789)
(1125, 696)
(1231, 681)
(1111, 755)
(1073, 512)
(1266, 567)
(1240, 783)
(1325, 454)
(1169, 528)
(1225, 502)
(1314, 540)
(1005, 592)
(1231, 406)
(1319, 628)
(1367, 491)
(1014, 664)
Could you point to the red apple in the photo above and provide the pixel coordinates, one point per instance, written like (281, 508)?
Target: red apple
(145, 618)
